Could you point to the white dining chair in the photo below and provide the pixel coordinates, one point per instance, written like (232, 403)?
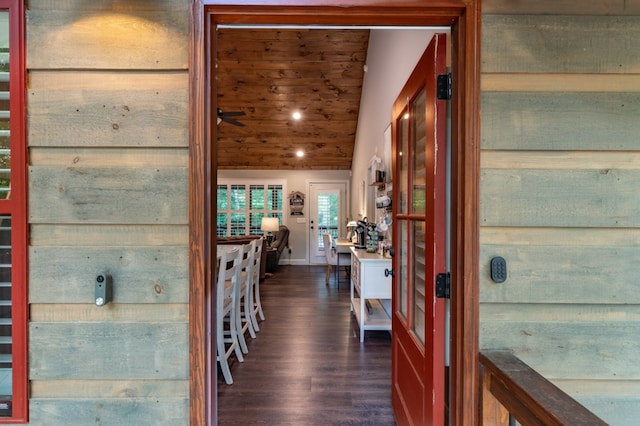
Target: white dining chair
(332, 258)
(245, 295)
(226, 305)
(257, 304)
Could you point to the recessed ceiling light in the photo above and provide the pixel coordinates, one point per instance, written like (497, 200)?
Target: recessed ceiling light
(300, 153)
(297, 115)
(406, 116)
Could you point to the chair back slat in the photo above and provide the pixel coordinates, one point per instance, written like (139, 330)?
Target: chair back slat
(228, 270)
(248, 252)
(257, 256)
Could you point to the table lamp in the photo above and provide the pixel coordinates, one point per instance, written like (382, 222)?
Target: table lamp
(270, 225)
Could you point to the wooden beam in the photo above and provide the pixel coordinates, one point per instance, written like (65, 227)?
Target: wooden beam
(202, 383)
(493, 413)
(465, 235)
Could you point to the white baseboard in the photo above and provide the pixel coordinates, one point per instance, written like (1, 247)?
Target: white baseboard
(295, 262)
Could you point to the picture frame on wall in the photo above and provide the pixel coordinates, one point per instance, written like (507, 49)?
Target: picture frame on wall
(296, 203)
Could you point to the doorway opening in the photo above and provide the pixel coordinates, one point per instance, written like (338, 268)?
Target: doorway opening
(327, 213)
(464, 18)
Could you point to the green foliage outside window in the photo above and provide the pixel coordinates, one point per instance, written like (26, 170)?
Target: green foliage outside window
(241, 207)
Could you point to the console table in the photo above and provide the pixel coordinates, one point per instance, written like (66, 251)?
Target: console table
(370, 291)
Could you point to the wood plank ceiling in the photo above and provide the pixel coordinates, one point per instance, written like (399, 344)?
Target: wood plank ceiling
(270, 73)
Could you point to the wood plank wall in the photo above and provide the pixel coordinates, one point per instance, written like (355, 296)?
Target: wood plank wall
(108, 148)
(560, 179)
(108, 192)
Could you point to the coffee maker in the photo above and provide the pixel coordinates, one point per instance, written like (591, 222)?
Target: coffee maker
(361, 234)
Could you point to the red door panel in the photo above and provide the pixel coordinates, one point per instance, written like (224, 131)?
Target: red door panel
(419, 162)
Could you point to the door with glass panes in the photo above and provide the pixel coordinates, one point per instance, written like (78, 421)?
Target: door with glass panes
(419, 238)
(326, 215)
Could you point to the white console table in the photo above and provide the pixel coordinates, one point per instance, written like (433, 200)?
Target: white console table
(369, 283)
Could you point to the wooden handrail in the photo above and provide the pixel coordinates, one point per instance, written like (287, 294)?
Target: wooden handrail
(512, 387)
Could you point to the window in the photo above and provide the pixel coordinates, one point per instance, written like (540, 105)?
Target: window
(241, 207)
(13, 224)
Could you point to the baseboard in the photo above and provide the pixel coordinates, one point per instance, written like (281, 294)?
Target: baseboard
(294, 262)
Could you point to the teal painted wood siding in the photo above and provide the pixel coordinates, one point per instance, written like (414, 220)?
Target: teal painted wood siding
(560, 173)
(108, 192)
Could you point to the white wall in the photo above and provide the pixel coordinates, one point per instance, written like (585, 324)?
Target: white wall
(392, 55)
(295, 181)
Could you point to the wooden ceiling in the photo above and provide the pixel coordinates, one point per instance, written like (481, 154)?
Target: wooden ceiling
(269, 74)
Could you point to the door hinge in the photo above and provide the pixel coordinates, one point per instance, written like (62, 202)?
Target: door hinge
(443, 285)
(444, 87)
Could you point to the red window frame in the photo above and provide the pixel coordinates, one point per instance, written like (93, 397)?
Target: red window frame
(16, 207)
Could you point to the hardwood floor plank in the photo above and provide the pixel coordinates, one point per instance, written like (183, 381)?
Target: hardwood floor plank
(307, 365)
(315, 416)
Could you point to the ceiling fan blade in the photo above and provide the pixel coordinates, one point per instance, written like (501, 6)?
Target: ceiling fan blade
(232, 121)
(233, 113)
(225, 116)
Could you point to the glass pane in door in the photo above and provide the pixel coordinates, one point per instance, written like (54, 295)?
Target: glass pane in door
(403, 278)
(403, 164)
(419, 139)
(6, 334)
(6, 365)
(402, 247)
(5, 119)
(327, 216)
(418, 269)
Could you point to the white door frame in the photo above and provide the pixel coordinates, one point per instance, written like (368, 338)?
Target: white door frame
(344, 211)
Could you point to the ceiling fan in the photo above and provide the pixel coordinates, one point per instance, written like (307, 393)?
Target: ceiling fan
(227, 117)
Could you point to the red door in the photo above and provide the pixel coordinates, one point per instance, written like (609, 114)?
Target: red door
(419, 146)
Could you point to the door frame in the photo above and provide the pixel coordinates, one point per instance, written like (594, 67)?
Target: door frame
(344, 200)
(464, 17)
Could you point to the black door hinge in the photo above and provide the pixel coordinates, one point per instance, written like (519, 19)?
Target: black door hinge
(443, 285)
(444, 87)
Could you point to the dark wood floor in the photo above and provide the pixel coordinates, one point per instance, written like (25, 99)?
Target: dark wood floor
(307, 365)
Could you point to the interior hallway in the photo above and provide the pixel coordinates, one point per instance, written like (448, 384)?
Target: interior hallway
(307, 366)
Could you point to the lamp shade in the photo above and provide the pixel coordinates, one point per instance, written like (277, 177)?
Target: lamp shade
(270, 224)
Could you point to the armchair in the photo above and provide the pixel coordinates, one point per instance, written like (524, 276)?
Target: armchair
(276, 248)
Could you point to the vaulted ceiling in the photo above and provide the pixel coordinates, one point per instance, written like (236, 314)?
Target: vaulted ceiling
(270, 73)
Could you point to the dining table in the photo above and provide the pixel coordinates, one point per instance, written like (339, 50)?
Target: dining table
(343, 247)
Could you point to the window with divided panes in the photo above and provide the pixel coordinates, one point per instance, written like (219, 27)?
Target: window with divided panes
(241, 207)
(13, 224)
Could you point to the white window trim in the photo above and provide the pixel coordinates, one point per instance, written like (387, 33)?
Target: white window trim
(265, 182)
